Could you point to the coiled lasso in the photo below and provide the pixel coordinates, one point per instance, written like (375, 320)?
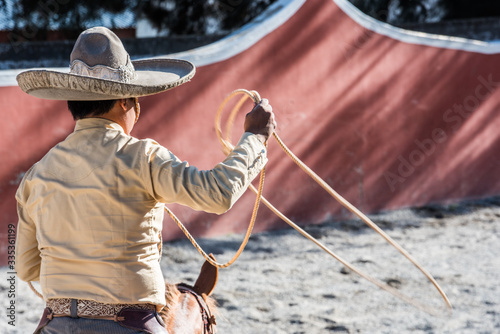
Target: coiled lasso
(227, 147)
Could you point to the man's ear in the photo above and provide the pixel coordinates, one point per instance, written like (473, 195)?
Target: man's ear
(123, 103)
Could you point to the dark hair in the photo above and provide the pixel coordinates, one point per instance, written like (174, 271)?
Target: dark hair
(82, 109)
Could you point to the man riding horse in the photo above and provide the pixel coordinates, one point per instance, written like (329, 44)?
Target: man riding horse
(91, 210)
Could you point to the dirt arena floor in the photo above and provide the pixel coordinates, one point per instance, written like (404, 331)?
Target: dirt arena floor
(284, 283)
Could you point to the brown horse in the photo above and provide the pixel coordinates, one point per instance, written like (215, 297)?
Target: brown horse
(190, 309)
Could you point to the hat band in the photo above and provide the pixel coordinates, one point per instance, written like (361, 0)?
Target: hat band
(124, 73)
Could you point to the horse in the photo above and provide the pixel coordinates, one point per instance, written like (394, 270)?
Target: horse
(190, 309)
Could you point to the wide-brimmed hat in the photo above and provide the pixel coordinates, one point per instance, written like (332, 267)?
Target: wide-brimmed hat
(101, 69)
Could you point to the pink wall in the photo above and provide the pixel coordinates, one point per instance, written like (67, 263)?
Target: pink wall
(386, 124)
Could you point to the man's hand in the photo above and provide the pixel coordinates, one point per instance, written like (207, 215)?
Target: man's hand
(260, 121)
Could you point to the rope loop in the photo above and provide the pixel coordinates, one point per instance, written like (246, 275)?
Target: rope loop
(227, 147)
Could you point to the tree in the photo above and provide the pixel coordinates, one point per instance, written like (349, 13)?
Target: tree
(460, 9)
(178, 17)
(235, 13)
(400, 11)
(34, 18)
(195, 17)
(419, 11)
(378, 9)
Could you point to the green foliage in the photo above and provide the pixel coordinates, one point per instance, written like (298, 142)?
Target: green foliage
(34, 18)
(180, 17)
(411, 11)
(194, 16)
(375, 8)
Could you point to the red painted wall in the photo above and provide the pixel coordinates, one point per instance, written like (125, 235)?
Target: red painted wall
(386, 124)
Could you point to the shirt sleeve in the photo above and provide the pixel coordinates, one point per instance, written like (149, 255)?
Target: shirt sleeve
(214, 190)
(28, 258)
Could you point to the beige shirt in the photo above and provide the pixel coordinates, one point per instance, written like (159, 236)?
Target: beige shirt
(91, 211)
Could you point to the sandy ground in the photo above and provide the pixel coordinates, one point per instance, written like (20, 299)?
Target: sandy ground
(283, 283)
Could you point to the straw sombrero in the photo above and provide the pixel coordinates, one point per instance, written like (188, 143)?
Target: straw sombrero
(101, 69)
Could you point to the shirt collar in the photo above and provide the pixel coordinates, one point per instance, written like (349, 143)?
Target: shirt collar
(96, 122)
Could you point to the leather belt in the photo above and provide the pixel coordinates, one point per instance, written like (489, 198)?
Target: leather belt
(83, 308)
